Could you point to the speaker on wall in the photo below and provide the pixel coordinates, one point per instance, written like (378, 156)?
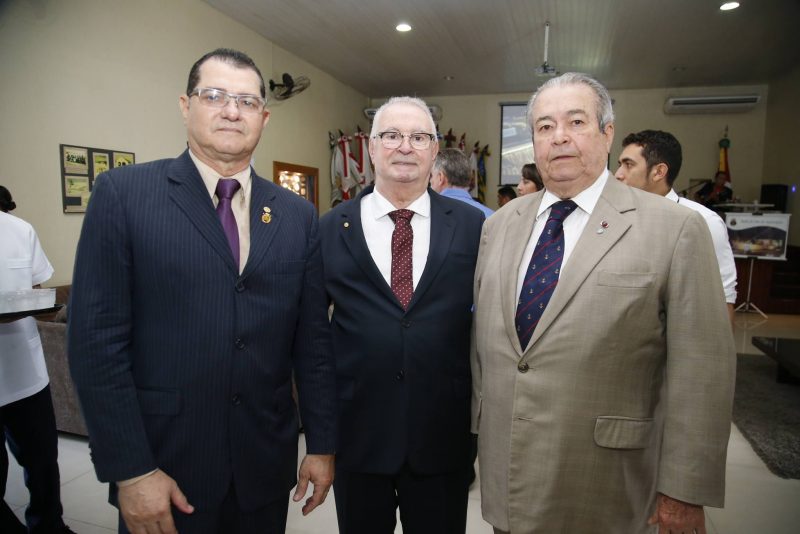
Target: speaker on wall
(775, 194)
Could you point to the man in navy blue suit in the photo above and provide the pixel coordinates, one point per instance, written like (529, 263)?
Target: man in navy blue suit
(187, 321)
(399, 265)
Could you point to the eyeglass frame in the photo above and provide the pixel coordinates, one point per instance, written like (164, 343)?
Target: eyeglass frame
(198, 91)
(380, 135)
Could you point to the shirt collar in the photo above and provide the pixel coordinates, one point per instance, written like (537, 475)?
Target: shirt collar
(586, 199)
(211, 177)
(672, 195)
(381, 206)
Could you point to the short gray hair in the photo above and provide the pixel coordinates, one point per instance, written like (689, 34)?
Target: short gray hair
(403, 100)
(605, 111)
(455, 166)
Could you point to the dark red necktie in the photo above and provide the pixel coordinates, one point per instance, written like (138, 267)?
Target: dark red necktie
(543, 270)
(226, 188)
(402, 252)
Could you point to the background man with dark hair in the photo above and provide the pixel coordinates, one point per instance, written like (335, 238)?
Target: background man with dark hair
(505, 195)
(603, 362)
(450, 178)
(650, 161)
(197, 292)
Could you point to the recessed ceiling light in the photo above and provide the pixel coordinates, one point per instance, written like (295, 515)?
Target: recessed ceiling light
(403, 27)
(727, 6)
(449, 78)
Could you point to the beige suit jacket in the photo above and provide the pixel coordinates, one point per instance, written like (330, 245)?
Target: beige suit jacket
(626, 387)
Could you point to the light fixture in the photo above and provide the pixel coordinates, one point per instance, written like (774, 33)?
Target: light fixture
(403, 27)
(449, 78)
(727, 6)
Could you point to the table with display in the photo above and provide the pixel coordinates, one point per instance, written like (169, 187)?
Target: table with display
(786, 352)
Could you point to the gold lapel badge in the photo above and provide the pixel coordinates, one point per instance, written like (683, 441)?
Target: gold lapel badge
(266, 217)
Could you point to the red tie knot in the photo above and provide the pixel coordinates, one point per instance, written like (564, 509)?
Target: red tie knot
(401, 214)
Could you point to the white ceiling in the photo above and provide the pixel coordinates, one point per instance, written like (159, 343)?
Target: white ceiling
(494, 46)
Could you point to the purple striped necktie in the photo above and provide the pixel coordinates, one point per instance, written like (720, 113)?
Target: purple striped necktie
(543, 270)
(226, 188)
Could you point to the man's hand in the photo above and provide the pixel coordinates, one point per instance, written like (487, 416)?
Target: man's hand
(145, 504)
(677, 517)
(317, 468)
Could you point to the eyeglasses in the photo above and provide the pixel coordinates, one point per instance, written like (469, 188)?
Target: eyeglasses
(216, 98)
(417, 140)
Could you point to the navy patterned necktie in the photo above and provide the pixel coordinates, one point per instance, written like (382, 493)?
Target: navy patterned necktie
(542, 274)
(226, 188)
(402, 276)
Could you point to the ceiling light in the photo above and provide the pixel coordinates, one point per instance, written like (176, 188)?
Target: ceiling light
(403, 27)
(727, 6)
(449, 78)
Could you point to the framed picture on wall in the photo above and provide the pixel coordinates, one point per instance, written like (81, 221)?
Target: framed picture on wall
(80, 167)
(299, 179)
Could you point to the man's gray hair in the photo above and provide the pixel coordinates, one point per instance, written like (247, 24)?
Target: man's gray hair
(605, 111)
(403, 100)
(455, 166)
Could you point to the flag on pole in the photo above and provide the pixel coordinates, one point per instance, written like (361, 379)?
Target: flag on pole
(724, 145)
(482, 174)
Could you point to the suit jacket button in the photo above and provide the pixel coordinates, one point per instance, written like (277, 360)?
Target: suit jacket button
(523, 367)
(239, 343)
(239, 286)
(400, 375)
(406, 323)
(236, 400)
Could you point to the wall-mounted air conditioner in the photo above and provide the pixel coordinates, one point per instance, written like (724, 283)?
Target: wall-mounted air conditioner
(436, 111)
(710, 104)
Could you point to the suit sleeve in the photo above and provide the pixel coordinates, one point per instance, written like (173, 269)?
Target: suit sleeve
(475, 364)
(314, 367)
(99, 340)
(700, 372)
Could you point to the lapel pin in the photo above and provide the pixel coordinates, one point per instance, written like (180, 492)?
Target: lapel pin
(266, 217)
(604, 224)
(347, 225)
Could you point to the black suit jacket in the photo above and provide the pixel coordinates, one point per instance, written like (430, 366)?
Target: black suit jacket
(182, 363)
(403, 377)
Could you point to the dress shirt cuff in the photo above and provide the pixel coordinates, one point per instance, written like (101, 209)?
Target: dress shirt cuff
(134, 480)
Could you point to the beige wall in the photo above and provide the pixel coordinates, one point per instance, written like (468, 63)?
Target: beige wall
(781, 165)
(479, 117)
(108, 73)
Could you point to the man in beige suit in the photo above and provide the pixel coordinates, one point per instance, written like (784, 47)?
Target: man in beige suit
(603, 362)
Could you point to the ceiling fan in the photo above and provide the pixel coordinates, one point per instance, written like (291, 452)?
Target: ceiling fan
(546, 69)
(289, 88)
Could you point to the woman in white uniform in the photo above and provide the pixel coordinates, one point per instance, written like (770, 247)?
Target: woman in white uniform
(26, 408)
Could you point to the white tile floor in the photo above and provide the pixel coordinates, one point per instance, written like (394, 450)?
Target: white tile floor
(757, 501)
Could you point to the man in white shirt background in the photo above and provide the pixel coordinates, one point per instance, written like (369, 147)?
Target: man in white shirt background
(27, 420)
(651, 160)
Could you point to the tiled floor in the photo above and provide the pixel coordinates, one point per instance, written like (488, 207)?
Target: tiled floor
(757, 501)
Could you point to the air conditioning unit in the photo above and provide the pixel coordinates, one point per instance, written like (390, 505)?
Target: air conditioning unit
(436, 111)
(710, 104)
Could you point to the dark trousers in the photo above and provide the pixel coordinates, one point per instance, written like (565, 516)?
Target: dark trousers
(29, 427)
(434, 504)
(230, 519)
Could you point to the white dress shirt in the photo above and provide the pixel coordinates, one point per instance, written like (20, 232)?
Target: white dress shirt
(573, 224)
(23, 265)
(722, 246)
(378, 228)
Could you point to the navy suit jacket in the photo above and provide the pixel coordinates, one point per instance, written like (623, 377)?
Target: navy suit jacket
(182, 363)
(403, 377)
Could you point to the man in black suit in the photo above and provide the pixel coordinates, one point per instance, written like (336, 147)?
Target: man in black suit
(399, 263)
(187, 321)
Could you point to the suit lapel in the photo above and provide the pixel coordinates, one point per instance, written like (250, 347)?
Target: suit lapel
(591, 247)
(350, 228)
(442, 230)
(518, 233)
(263, 201)
(189, 193)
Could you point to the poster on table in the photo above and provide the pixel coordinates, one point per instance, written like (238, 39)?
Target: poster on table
(759, 235)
